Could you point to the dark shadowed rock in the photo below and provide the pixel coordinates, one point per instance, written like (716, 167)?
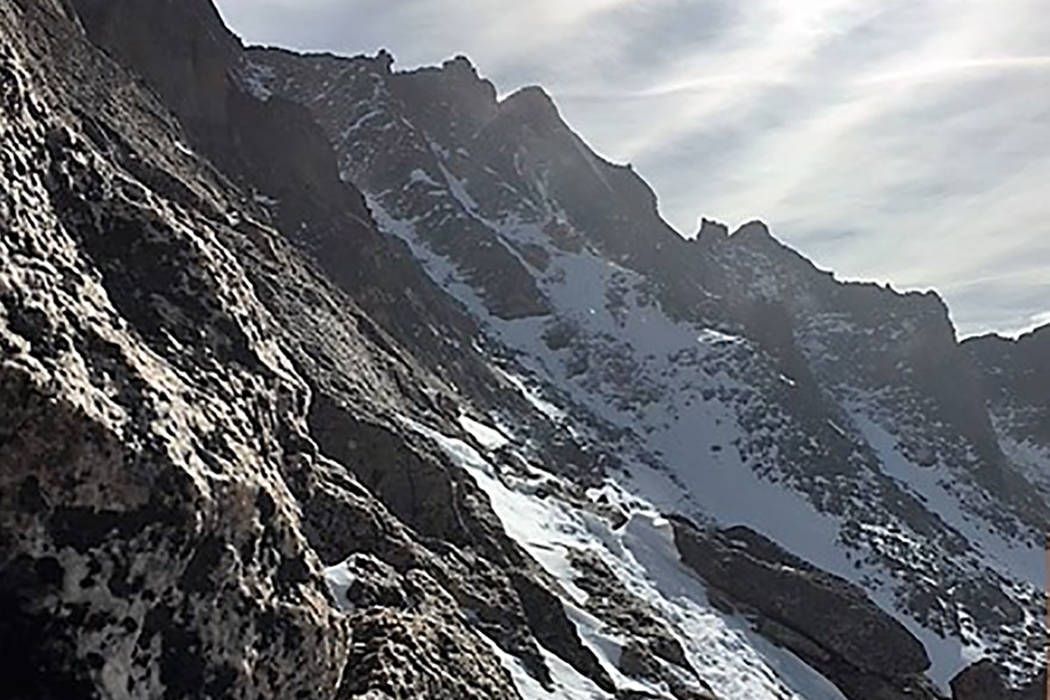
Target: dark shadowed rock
(984, 680)
(845, 392)
(556, 632)
(981, 681)
(165, 512)
(274, 149)
(822, 618)
(231, 401)
(711, 232)
(1015, 378)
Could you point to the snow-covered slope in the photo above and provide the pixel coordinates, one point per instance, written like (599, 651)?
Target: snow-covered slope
(700, 437)
(567, 536)
(1016, 379)
(485, 427)
(725, 379)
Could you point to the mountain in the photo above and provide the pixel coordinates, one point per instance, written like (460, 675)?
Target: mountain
(743, 385)
(324, 379)
(1016, 379)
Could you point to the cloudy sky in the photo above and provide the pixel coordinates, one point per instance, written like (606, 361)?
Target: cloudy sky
(905, 141)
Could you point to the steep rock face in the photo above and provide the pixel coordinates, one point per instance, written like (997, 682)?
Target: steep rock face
(326, 217)
(186, 54)
(150, 531)
(492, 266)
(286, 464)
(167, 515)
(823, 618)
(272, 147)
(731, 379)
(199, 51)
(654, 653)
(1015, 376)
(863, 338)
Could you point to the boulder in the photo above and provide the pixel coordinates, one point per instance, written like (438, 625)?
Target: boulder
(822, 618)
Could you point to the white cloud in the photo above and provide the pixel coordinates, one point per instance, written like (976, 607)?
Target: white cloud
(903, 140)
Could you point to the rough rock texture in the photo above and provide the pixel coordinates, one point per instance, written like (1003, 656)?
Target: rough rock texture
(272, 147)
(1015, 376)
(495, 268)
(822, 618)
(981, 681)
(152, 432)
(693, 363)
(234, 454)
(854, 336)
(1015, 368)
(654, 653)
(166, 512)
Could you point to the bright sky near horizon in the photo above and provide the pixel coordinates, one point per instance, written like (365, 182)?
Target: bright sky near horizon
(902, 141)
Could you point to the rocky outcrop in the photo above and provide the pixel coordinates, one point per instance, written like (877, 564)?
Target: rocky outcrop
(234, 460)
(166, 514)
(452, 99)
(484, 570)
(824, 619)
(866, 337)
(273, 148)
(981, 681)
(1015, 369)
(854, 396)
(1015, 379)
(400, 624)
(653, 653)
(151, 534)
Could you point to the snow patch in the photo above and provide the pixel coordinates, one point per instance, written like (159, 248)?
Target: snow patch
(731, 658)
(487, 437)
(339, 578)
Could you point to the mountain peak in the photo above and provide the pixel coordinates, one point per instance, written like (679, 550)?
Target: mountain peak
(711, 232)
(533, 104)
(753, 231)
(1042, 333)
(429, 368)
(460, 65)
(385, 59)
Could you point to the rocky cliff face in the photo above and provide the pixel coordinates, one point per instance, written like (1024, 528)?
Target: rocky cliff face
(823, 619)
(737, 382)
(171, 363)
(1016, 380)
(321, 379)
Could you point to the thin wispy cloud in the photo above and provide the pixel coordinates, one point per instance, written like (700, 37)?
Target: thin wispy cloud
(905, 141)
(943, 69)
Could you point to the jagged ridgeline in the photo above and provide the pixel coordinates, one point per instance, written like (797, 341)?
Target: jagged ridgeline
(322, 379)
